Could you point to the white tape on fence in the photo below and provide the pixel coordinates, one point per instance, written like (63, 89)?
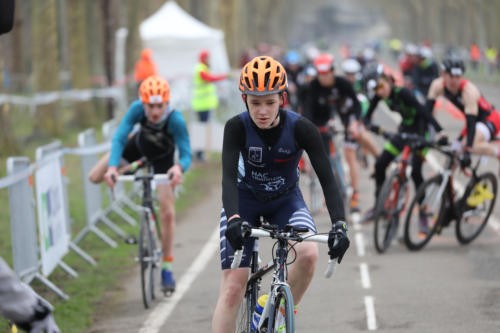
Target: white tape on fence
(16, 177)
(52, 96)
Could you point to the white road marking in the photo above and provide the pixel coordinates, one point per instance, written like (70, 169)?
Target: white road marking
(162, 311)
(365, 276)
(371, 321)
(492, 221)
(360, 244)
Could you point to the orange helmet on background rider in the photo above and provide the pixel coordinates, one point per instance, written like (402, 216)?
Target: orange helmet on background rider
(262, 76)
(154, 89)
(324, 63)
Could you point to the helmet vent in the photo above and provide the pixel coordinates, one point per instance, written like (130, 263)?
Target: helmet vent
(268, 64)
(275, 81)
(256, 79)
(256, 65)
(266, 80)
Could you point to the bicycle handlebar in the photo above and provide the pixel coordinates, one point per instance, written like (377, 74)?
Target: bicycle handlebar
(257, 232)
(133, 178)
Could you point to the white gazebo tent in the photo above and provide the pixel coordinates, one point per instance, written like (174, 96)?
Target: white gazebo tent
(176, 39)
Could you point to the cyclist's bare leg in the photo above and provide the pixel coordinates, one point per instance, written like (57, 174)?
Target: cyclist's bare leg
(232, 289)
(368, 142)
(167, 217)
(352, 162)
(96, 175)
(301, 272)
(483, 147)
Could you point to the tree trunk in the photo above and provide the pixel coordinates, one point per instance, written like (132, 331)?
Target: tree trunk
(79, 61)
(46, 65)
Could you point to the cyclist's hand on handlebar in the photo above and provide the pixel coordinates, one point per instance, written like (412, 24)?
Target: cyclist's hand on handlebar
(442, 139)
(465, 161)
(339, 233)
(42, 320)
(110, 176)
(175, 173)
(234, 234)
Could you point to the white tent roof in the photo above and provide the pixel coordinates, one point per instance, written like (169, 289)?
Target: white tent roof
(176, 39)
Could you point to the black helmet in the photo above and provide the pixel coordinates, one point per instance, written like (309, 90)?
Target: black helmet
(453, 65)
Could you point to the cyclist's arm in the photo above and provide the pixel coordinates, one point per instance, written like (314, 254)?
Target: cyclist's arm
(177, 126)
(17, 301)
(233, 143)
(470, 98)
(209, 77)
(309, 139)
(408, 98)
(349, 92)
(373, 105)
(134, 115)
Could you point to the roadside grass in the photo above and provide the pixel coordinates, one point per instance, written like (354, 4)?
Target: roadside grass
(89, 289)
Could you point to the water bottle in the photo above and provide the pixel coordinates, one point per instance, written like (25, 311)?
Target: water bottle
(261, 302)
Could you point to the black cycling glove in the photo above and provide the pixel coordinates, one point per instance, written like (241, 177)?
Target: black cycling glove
(339, 233)
(465, 160)
(233, 233)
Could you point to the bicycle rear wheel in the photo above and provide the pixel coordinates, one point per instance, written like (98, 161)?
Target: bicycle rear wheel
(387, 210)
(315, 193)
(283, 317)
(146, 260)
(477, 204)
(424, 214)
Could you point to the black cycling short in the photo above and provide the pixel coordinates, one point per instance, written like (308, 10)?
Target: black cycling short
(161, 159)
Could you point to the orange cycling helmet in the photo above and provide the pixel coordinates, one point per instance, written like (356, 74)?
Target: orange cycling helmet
(154, 89)
(324, 63)
(262, 76)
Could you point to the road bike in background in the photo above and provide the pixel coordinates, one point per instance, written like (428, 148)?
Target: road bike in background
(394, 193)
(437, 203)
(149, 245)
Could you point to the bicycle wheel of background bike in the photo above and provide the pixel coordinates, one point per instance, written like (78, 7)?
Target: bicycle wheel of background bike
(426, 204)
(146, 261)
(386, 220)
(477, 204)
(315, 194)
(283, 318)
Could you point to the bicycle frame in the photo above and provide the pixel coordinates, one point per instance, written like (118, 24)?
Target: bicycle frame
(278, 266)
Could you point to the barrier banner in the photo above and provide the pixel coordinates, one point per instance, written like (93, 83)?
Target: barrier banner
(54, 240)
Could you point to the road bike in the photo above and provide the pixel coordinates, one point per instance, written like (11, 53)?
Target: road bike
(394, 193)
(437, 203)
(278, 313)
(149, 246)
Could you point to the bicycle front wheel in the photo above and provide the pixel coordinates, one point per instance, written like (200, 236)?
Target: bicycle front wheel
(425, 210)
(246, 313)
(477, 204)
(386, 218)
(146, 260)
(283, 316)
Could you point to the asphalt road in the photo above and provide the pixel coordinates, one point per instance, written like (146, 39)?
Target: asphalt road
(445, 287)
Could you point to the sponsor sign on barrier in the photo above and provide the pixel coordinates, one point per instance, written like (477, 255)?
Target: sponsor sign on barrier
(54, 239)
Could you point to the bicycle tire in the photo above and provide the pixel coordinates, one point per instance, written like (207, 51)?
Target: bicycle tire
(464, 222)
(315, 193)
(385, 220)
(278, 319)
(426, 193)
(145, 261)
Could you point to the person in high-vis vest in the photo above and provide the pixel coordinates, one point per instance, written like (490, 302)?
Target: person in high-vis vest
(205, 98)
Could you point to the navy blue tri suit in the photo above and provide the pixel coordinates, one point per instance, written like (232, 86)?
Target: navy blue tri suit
(260, 176)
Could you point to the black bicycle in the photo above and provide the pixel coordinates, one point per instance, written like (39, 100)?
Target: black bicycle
(149, 250)
(278, 313)
(436, 204)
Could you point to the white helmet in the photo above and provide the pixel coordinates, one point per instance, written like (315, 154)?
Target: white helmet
(350, 66)
(425, 52)
(411, 49)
